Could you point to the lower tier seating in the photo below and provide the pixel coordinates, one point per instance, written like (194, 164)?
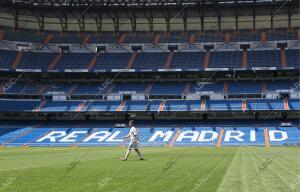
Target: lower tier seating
(183, 134)
(165, 88)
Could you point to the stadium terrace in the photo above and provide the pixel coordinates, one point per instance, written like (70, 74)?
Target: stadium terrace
(149, 95)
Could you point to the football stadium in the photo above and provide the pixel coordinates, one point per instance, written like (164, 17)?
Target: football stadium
(149, 96)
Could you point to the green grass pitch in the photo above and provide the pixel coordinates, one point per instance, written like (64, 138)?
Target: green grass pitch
(207, 169)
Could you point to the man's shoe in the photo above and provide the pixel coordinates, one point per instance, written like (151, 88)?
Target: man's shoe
(142, 159)
(123, 159)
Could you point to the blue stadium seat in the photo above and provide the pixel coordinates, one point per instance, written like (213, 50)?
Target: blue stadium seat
(226, 105)
(36, 60)
(188, 60)
(150, 60)
(74, 61)
(60, 106)
(112, 61)
(293, 58)
(267, 58)
(225, 59)
(244, 87)
(18, 105)
(167, 89)
(156, 135)
(7, 58)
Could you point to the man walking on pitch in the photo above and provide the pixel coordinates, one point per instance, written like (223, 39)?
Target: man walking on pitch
(134, 140)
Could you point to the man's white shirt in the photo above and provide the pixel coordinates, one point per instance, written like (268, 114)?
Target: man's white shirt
(133, 134)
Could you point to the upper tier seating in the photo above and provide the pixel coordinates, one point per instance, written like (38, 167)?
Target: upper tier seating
(36, 60)
(105, 37)
(150, 60)
(188, 60)
(293, 58)
(139, 37)
(71, 37)
(112, 61)
(24, 35)
(242, 35)
(266, 58)
(7, 58)
(226, 59)
(146, 60)
(74, 61)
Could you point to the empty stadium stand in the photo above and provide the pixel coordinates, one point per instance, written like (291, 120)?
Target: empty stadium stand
(69, 52)
(193, 133)
(163, 88)
(44, 61)
(170, 105)
(244, 35)
(216, 79)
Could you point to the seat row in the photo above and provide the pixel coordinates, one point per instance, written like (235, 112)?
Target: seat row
(150, 88)
(146, 61)
(143, 37)
(149, 105)
(155, 136)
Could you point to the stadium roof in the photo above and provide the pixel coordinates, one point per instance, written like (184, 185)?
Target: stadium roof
(116, 10)
(139, 3)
